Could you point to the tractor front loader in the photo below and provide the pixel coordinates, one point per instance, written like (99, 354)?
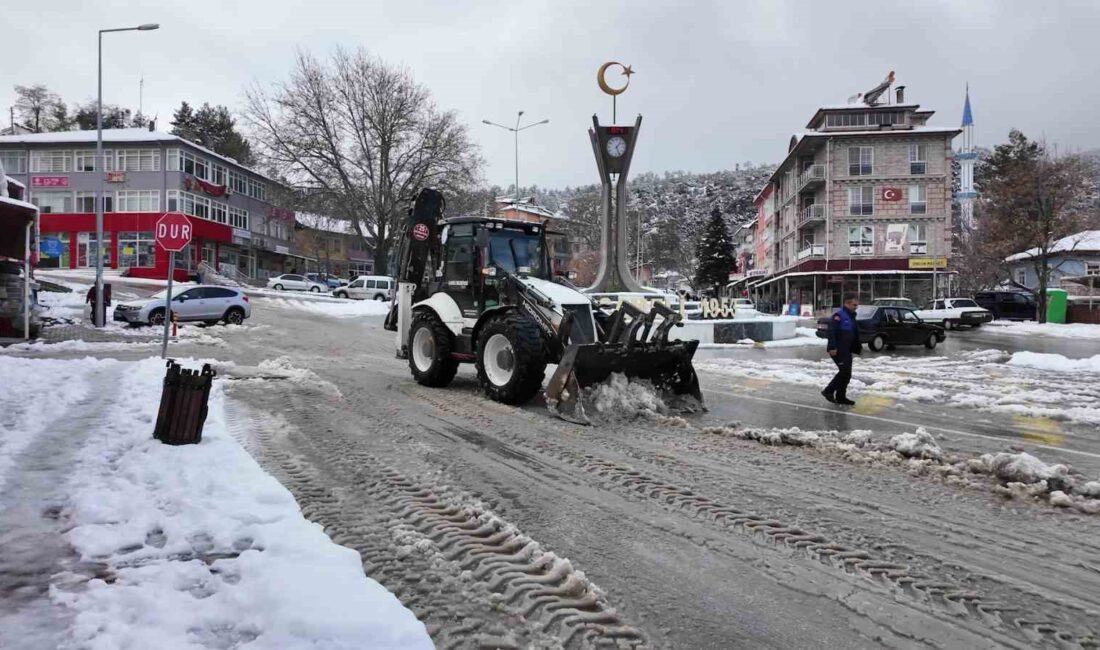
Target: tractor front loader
(485, 291)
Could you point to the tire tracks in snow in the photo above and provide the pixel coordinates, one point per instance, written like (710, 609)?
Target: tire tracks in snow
(1043, 624)
(473, 578)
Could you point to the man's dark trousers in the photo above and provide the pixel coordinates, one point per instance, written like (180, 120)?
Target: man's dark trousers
(839, 384)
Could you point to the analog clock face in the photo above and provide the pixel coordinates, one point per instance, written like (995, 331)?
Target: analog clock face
(616, 147)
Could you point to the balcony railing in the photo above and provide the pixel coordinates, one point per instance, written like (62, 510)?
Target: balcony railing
(816, 250)
(811, 214)
(811, 176)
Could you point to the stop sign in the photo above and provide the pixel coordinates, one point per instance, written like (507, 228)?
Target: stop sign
(173, 232)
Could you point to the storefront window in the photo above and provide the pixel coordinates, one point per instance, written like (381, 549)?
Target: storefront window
(53, 250)
(136, 249)
(85, 250)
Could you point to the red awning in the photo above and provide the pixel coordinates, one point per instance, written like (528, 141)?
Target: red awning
(14, 217)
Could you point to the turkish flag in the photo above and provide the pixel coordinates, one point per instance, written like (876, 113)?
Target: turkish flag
(891, 194)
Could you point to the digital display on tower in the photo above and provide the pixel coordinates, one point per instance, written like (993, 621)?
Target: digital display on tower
(618, 130)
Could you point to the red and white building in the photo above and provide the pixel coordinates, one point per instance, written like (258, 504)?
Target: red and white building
(146, 174)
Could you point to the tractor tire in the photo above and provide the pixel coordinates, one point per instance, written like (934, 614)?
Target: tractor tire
(430, 347)
(511, 358)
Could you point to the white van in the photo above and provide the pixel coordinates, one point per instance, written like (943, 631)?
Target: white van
(368, 287)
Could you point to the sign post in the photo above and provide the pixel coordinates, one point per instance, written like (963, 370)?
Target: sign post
(173, 233)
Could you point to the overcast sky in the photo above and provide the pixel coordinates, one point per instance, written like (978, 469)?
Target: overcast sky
(718, 82)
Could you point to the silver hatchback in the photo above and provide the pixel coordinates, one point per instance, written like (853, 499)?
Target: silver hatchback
(204, 303)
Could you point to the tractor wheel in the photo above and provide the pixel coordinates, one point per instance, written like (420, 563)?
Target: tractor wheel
(511, 358)
(430, 346)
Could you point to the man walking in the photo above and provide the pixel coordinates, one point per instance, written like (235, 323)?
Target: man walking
(843, 343)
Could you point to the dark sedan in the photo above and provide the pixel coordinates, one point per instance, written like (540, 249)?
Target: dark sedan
(881, 327)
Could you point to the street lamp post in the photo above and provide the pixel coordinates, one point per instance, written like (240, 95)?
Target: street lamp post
(515, 130)
(99, 317)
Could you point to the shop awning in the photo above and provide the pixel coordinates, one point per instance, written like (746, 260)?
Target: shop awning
(14, 217)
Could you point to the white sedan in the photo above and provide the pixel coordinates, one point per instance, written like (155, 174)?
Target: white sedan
(953, 312)
(295, 282)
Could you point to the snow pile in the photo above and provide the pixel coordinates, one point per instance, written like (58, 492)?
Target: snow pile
(1023, 468)
(196, 546)
(336, 308)
(1057, 330)
(919, 444)
(618, 396)
(1010, 475)
(1055, 362)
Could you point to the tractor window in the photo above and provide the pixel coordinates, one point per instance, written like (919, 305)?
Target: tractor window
(511, 249)
(460, 258)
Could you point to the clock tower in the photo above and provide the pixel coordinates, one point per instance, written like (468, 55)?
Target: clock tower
(613, 147)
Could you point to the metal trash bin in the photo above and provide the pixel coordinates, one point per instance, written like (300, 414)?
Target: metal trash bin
(183, 404)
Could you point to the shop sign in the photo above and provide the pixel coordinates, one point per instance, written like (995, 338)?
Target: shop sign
(49, 181)
(52, 247)
(241, 233)
(283, 250)
(927, 262)
(116, 177)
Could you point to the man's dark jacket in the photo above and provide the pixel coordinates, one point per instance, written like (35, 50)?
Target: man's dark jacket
(844, 334)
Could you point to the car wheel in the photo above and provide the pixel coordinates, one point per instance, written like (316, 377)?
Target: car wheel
(278, 287)
(931, 342)
(877, 343)
(380, 298)
(315, 289)
(950, 324)
(341, 294)
(430, 347)
(156, 317)
(235, 316)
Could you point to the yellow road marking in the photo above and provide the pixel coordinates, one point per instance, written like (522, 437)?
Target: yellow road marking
(1040, 429)
(872, 404)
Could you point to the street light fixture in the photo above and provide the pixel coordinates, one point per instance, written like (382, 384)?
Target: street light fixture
(99, 315)
(515, 130)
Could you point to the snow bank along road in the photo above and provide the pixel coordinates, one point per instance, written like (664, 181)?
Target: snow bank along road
(505, 527)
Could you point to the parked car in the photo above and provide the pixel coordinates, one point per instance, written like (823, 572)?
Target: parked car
(205, 303)
(1008, 305)
(12, 304)
(330, 281)
(954, 312)
(895, 302)
(368, 287)
(295, 282)
(881, 327)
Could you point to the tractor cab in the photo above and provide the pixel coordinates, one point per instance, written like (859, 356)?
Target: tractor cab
(476, 254)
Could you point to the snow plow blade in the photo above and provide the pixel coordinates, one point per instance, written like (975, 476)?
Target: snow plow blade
(666, 364)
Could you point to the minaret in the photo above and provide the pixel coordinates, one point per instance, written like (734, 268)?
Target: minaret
(967, 157)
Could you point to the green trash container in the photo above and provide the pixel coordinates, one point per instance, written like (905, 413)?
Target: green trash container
(1057, 303)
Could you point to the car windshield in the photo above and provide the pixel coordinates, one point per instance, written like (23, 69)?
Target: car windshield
(966, 302)
(865, 311)
(511, 249)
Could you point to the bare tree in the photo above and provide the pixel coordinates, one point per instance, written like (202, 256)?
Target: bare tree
(363, 137)
(1031, 199)
(37, 106)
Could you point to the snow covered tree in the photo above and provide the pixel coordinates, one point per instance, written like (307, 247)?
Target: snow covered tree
(714, 254)
(1030, 199)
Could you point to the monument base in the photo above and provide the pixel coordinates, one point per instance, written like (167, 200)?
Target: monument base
(730, 331)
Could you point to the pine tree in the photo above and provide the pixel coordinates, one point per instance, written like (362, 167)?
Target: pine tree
(714, 254)
(214, 128)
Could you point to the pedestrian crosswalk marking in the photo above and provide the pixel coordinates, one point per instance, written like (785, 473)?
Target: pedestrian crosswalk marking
(872, 404)
(1040, 429)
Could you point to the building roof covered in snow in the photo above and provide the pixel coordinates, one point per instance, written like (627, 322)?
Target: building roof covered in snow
(526, 206)
(1086, 241)
(114, 136)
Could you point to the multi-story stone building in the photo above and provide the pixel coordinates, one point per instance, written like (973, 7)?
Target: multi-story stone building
(861, 203)
(236, 224)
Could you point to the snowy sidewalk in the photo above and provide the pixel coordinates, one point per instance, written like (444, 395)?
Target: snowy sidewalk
(113, 540)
